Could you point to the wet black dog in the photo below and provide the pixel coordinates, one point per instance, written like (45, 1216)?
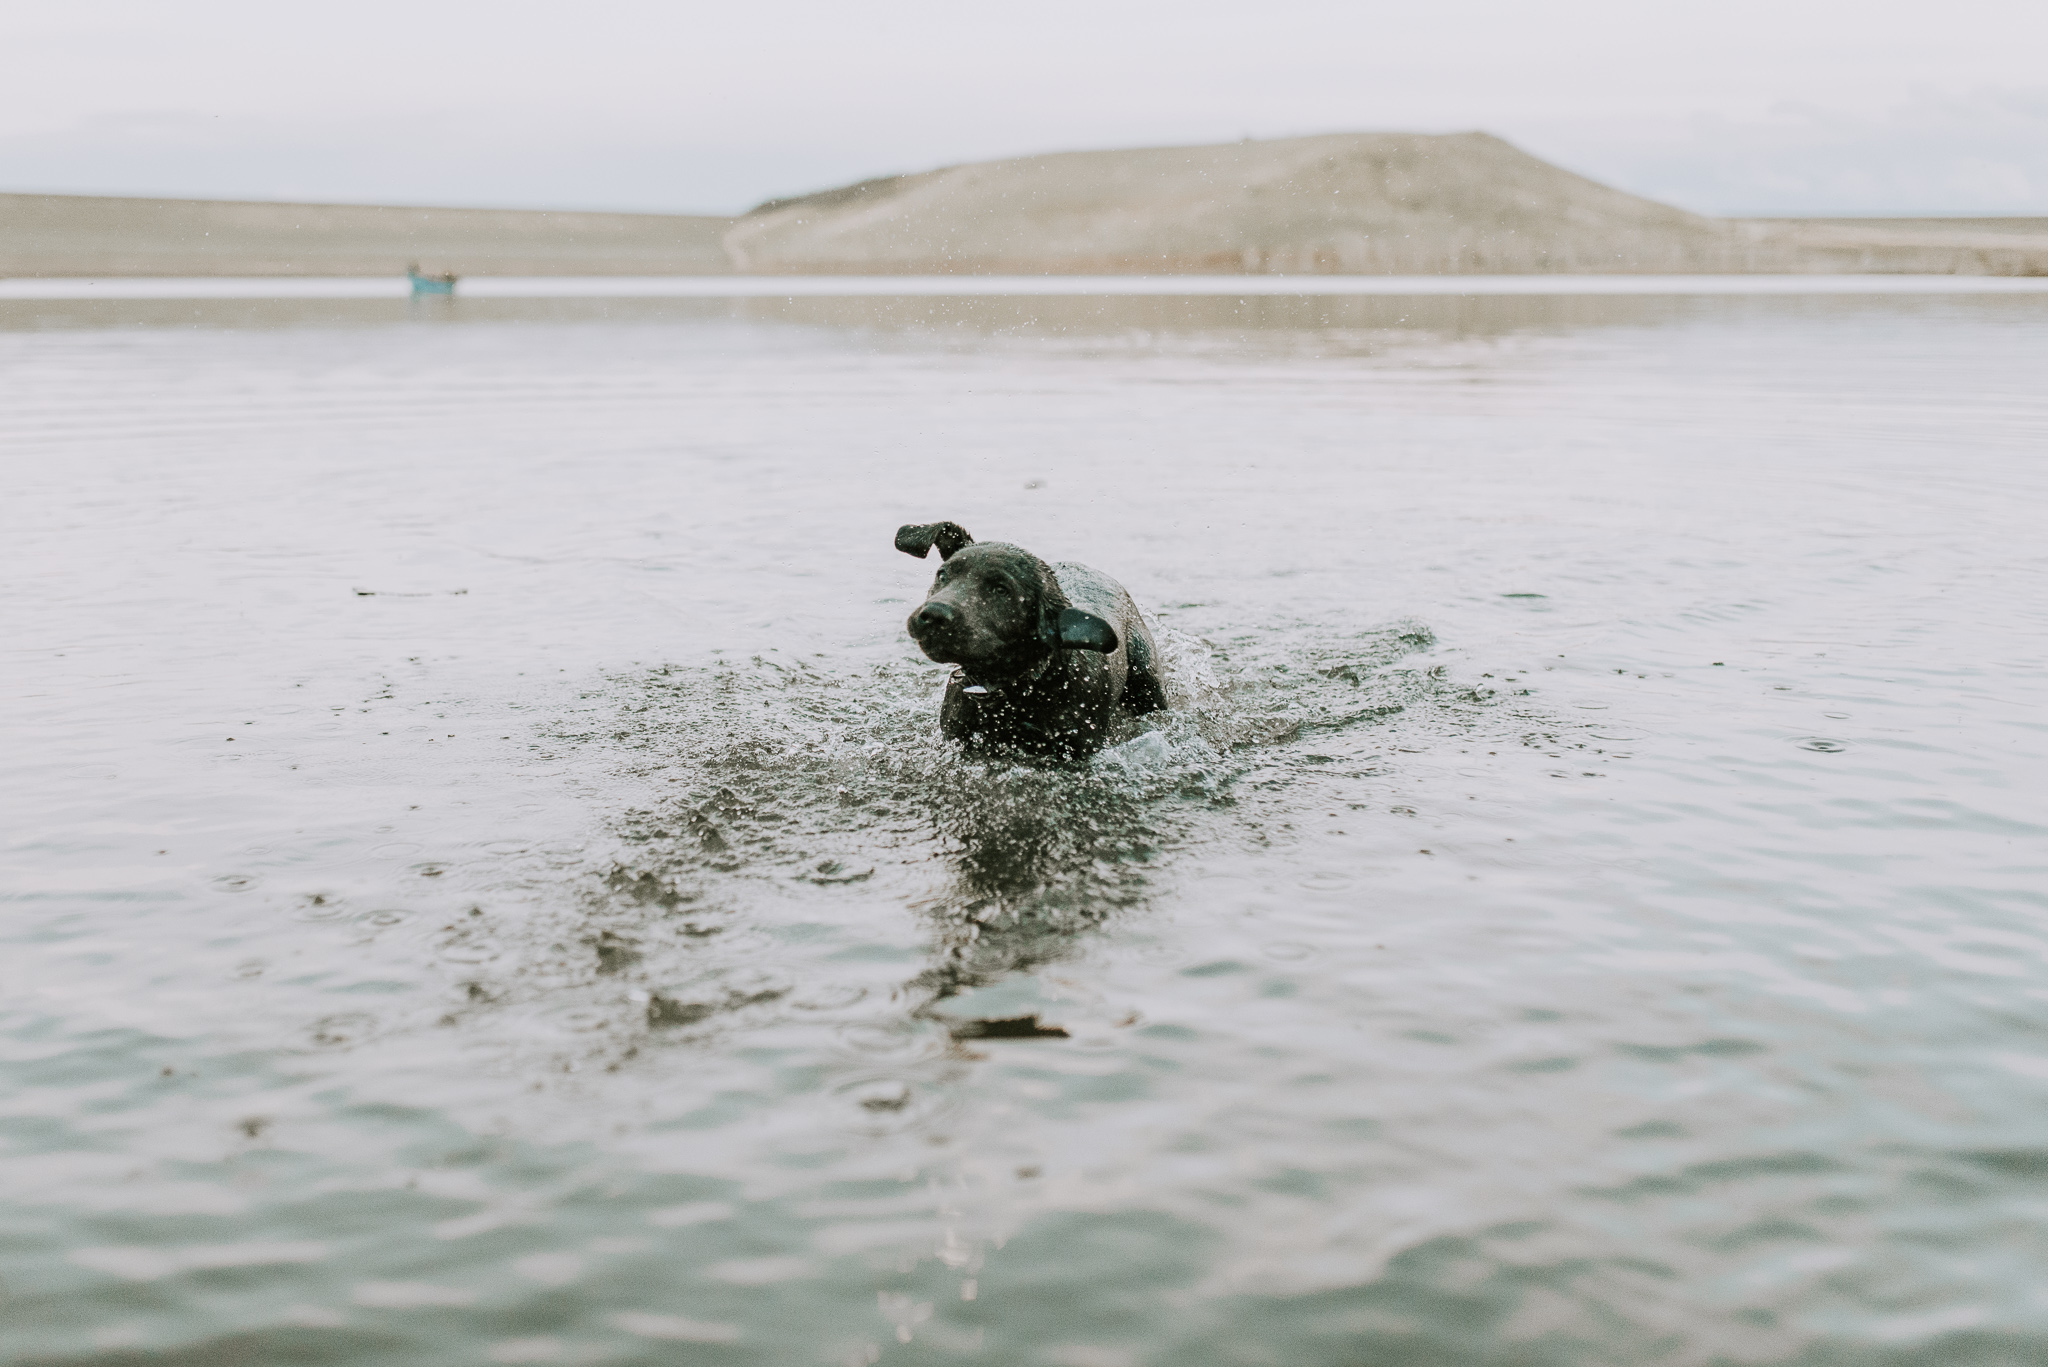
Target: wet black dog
(1054, 659)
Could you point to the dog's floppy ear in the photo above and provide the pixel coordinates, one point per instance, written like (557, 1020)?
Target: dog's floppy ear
(917, 538)
(1085, 631)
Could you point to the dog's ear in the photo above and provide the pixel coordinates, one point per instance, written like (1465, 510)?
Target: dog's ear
(918, 538)
(1085, 631)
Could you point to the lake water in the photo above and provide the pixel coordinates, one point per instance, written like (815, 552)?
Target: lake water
(484, 885)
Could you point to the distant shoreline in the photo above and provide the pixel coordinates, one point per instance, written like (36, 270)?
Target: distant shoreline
(117, 288)
(109, 236)
(1356, 206)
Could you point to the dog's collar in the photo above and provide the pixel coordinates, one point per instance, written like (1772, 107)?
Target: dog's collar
(982, 688)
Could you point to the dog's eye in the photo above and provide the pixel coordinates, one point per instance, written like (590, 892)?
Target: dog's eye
(1000, 587)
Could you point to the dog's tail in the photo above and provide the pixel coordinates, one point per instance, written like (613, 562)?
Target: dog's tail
(1143, 689)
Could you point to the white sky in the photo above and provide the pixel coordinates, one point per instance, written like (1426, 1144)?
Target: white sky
(1738, 106)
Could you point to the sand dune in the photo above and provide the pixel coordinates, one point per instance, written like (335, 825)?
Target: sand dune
(1346, 203)
(1370, 203)
(92, 235)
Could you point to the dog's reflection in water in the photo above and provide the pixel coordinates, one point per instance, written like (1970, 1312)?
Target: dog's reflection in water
(1039, 860)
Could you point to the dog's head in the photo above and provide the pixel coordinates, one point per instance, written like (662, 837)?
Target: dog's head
(994, 609)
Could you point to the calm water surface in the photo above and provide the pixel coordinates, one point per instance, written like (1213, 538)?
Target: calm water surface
(484, 886)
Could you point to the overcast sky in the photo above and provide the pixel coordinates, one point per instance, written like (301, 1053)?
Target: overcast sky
(1742, 106)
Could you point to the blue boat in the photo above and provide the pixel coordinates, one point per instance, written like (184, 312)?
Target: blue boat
(429, 284)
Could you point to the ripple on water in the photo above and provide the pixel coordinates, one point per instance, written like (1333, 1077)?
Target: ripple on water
(341, 1029)
(549, 1269)
(691, 1213)
(508, 885)
(471, 951)
(879, 1095)
(584, 1018)
(319, 906)
(832, 997)
(736, 941)
(884, 1037)
(706, 1000)
(675, 1328)
(1823, 745)
(831, 872)
(409, 1295)
(890, 1103)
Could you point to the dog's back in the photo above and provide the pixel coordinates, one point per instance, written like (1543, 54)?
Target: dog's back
(1137, 657)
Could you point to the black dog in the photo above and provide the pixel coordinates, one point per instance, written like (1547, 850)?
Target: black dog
(1054, 659)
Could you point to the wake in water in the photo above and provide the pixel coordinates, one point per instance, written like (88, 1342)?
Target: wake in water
(779, 793)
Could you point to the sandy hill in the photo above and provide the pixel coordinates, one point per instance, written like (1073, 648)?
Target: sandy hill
(93, 235)
(1366, 203)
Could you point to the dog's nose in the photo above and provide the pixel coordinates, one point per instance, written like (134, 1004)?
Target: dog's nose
(931, 618)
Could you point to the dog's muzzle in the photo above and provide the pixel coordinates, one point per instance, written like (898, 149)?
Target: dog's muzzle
(933, 622)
